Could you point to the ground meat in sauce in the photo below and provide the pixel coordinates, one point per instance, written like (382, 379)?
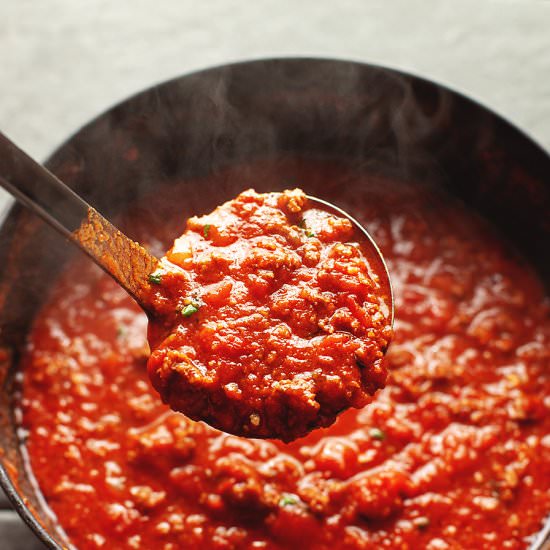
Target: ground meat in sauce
(453, 453)
(274, 317)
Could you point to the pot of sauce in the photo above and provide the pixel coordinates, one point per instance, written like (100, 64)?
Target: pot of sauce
(452, 452)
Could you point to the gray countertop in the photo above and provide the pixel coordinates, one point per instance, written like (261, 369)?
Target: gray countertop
(62, 62)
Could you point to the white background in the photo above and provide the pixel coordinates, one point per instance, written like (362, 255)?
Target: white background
(64, 61)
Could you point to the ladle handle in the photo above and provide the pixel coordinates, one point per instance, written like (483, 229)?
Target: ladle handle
(43, 193)
(39, 190)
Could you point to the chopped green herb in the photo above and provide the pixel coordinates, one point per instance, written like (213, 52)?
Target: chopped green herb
(302, 225)
(288, 500)
(120, 331)
(377, 433)
(189, 309)
(206, 230)
(155, 278)
(422, 523)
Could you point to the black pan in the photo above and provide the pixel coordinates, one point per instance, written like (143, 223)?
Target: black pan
(391, 122)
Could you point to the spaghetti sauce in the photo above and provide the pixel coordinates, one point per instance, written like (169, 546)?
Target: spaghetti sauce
(454, 453)
(273, 316)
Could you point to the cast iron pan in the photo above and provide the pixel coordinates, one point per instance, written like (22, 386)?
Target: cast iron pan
(392, 123)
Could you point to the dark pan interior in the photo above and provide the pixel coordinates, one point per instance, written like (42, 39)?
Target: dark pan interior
(391, 123)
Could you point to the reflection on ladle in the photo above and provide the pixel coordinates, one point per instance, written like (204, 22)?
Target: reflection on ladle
(43, 193)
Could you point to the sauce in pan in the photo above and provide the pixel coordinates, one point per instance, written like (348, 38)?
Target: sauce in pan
(453, 453)
(273, 317)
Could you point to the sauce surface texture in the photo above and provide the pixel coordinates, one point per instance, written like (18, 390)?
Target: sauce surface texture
(274, 316)
(453, 453)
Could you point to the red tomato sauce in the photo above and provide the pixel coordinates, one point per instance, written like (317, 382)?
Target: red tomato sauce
(272, 317)
(453, 453)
